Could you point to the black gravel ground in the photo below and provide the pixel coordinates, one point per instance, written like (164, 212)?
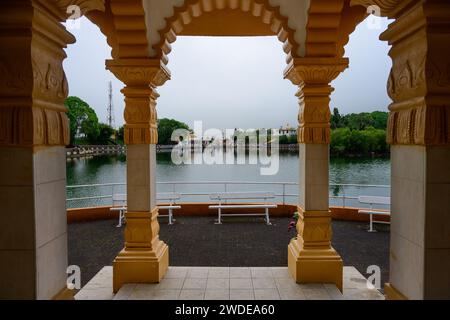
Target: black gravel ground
(197, 241)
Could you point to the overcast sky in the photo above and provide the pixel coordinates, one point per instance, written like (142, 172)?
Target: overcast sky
(231, 82)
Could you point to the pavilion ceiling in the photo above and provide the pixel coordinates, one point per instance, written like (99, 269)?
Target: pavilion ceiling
(307, 28)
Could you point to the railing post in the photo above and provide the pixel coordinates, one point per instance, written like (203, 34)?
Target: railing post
(343, 197)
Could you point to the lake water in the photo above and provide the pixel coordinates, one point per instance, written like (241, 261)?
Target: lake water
(112, 169)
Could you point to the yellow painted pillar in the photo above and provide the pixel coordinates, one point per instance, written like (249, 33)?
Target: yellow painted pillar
(34, 130)
(419, 132)
(311, 259)
(145, 259)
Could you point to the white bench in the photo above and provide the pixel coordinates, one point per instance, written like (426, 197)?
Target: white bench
(171, 198)
(371, 212)
(223, 198)
(120, 204)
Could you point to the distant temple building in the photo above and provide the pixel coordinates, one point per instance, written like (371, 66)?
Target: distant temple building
(287, 130)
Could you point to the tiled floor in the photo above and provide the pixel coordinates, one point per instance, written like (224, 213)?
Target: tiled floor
(212, 283)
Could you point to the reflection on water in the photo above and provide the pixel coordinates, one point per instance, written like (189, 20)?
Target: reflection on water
(112, 169)
(375, 171)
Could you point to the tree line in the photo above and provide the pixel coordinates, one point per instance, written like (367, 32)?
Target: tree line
(352, 134)
(86, 129)
(359, 133)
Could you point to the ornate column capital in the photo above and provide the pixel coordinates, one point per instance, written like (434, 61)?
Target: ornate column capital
(33, 85)
(141, 77)
(139, 72)
(419, 82)
(315, 71)
(313, 77)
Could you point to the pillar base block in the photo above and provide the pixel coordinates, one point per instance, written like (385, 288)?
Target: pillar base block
(392, 293)
(315, 265)
(140, 266)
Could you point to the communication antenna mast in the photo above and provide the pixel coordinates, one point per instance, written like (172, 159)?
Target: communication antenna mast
(111, 118)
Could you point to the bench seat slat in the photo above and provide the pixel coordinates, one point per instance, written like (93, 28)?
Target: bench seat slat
(239, 206)
(169, 207)
(241, 195)
(383, 213)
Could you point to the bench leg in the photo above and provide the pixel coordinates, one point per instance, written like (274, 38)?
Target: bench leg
(120, 219)
(268, 217)
(219, 216)
(170, 216)
(371, 224)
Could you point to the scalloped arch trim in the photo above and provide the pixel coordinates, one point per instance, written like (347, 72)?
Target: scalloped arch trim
(194, 9)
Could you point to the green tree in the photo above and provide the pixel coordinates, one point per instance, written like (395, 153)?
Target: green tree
(121, 135)
(83, 120)
(293, 139)
(380, 119)
(345, 141)
(284, 139)
(361, 121)
(336, 119)
(165, 129)
(105, 134)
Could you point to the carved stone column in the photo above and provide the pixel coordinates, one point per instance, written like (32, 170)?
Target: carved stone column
(419, 131)
(33, 133)
(310, 255)
(145, 258)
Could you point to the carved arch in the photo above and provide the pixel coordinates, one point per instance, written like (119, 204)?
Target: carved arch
(193, 9)
(330, 25)
(123, 24)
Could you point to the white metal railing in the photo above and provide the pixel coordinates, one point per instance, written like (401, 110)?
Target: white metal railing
(283, 193)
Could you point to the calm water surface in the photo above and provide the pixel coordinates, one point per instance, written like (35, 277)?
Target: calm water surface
(112, 169)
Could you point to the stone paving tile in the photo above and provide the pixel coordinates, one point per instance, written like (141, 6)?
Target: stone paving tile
(192, 294)
(334, 292)
(266, 294)
(244, 283)
(292, 293)
(198, 272)
(216, 283)
(176, 283)
(356, 294)
(197, 283)
(239, 294)
(281, 273)
(125, 292)
(311, 286)
(217, 294)
(176, 273)
(166, 294)
(95, 294)
(264, 283)
(142, 292)
(316, 294)
(282, 283)
(261, 272)
(356, 283)
(240, 273)
(219, 272)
